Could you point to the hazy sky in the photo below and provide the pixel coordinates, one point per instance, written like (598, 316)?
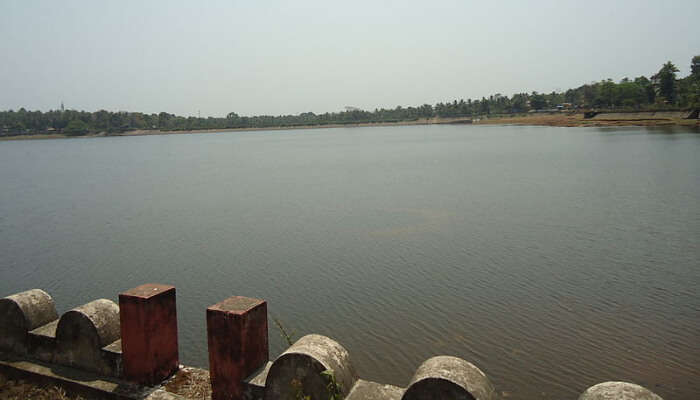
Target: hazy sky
(277, 57)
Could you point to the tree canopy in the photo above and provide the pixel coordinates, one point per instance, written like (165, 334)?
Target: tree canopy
(662, 90)
(667, 81)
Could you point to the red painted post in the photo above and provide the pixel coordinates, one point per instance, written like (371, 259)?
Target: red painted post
(237, 336)
(148, 319)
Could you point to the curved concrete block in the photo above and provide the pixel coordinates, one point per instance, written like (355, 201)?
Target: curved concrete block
(450, 378)
(302, 365)
(82, 333)
(618, 391)
(21, 313)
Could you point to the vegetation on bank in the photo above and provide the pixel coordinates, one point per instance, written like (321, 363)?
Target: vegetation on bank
(189, 383)
(662, 91)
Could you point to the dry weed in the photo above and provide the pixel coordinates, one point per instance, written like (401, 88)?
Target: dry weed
(191, 383)
(21, 390)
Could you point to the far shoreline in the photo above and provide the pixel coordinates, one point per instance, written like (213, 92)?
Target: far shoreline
(550, 119)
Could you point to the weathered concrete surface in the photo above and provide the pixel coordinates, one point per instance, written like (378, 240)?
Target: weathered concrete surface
(238, 344)
(112, 356)
(365, 390)
(618, 391)
(114, 347)
(148, 320)
(42, 342)
(302, 364)
(254, 385)
(82, 333)
(21, 313)
(74, 381)
(446, 377)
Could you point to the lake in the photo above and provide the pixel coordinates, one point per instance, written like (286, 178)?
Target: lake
(552, 258)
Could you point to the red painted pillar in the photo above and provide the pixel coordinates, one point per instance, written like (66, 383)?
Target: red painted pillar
(237, 336)
(148, 319)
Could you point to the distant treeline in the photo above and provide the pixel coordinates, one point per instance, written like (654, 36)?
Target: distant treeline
(661, 91)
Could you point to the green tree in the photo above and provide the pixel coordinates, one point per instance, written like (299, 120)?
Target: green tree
(538, 101)
(667, 82)
(630, 94)
(101, 119)
(645, 84)
(695, 66)
(607, 93)
(692, 84)
(76, 127)
(232, 119)
(519, 103)
(164, 120)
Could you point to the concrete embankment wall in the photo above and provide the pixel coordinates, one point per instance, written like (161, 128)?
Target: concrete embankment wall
(134, 345)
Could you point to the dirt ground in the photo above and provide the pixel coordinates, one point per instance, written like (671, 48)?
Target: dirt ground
(575, 120)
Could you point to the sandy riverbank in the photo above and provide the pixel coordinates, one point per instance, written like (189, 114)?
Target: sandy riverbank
(284, 128)
(143, 132)
(554, 119)
(577, 120)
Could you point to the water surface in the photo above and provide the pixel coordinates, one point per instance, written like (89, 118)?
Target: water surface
(552, 258)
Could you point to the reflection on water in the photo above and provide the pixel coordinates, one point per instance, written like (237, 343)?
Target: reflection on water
(552, 258)
(652, 130)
